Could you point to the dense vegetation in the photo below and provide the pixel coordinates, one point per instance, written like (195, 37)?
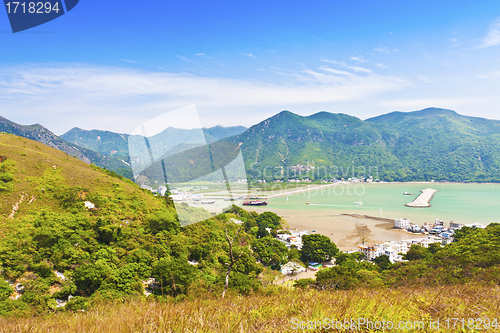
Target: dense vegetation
(106, 253)
(432, 144)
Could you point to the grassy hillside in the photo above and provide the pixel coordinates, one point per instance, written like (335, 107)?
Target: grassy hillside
(274, 310)
(40, 170)
(56, 255)
(43, 135)
(56, 247)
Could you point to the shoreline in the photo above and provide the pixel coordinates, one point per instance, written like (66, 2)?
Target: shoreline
(341, 228)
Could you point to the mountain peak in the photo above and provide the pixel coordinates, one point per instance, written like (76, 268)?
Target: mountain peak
(397, 116)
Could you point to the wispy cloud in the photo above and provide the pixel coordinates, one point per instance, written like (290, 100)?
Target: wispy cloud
(341, 63)
(200, 54)
(130, 61)
(381, 65)
(492, 38)
(65, 95)
(448, 103)
(359, 59)
(184, 58)
(382, 50)
(248, 55)
(360, 69)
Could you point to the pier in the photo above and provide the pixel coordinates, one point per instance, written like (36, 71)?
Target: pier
(424, 199)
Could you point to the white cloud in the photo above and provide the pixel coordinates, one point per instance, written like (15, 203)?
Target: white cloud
(382, 66)
(61, 96)
(200, 54)
(447, 103)
(341, 63)
(359, 59)
(248, 55)
(382, 50)
(130, 61)
(492, 38)
(184, 58)
(360, 69)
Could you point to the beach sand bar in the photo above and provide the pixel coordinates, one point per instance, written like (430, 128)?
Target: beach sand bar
(424, 199)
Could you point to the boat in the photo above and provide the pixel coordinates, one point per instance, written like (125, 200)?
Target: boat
(255, 203)
(407, 193)
(358, 203)
(208, 202)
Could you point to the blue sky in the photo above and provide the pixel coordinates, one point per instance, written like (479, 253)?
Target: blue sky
(114, 65)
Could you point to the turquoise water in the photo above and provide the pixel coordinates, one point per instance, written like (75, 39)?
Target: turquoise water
(463, 203)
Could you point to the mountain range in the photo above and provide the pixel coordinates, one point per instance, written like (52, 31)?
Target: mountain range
(431, 144)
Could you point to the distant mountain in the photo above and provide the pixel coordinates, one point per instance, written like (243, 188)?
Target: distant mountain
(41, 134)
(431, 144)
(116, 144)
(104, 142)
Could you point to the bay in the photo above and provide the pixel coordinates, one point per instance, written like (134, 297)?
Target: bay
(462, 203)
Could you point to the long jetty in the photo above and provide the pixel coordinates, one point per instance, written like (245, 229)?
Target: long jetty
(424, 199)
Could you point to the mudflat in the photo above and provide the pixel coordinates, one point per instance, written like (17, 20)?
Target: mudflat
(341, 229)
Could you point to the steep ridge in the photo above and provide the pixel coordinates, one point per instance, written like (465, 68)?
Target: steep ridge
(41, 134)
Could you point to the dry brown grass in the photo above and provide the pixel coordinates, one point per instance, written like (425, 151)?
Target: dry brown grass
(272, 313)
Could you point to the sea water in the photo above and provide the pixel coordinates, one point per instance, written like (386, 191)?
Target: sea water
(462, 203)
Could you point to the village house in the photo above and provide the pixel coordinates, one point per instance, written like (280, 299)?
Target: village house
(401, 223)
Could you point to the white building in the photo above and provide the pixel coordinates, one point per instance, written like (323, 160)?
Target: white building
(162, 190)
(370, 251)
(292, 268)
(438, 223)
(401, 223)
(455, 225)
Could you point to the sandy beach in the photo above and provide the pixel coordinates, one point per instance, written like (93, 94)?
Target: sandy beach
(341, 229)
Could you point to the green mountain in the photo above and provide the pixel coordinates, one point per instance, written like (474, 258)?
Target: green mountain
(431, 144)
(41, 134)
(104, 142)
(72, 234)
(115, 144)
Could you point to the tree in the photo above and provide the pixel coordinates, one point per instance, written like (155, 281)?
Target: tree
(175, 276)
(434, 248)
(363, 232)
(5, 290)
(270, 251)
(462, 232)
(318, 248)
(232, 259)
(383, 262)
(416, 252)
(269, 220)
(262, 232)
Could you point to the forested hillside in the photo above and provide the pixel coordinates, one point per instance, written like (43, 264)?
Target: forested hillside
(68, 229)
(432, 144)
(74, 237)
